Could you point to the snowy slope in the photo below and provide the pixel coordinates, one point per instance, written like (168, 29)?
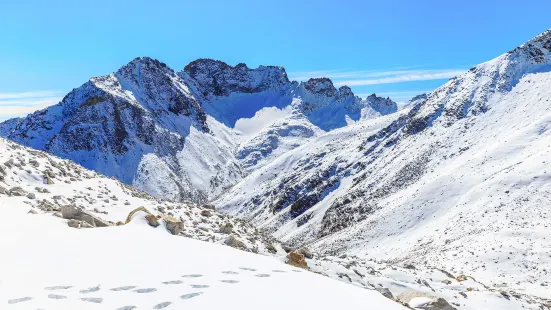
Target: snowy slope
(459, 180)
(106, 198)
(136, 267)
(180, 135)
(45, 263)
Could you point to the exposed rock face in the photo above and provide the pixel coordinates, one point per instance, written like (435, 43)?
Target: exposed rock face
(216, 78)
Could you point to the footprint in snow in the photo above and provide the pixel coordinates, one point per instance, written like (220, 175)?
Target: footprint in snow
(230, 272)
(199, 286)
(95, 300)
(173, 282)
(192, 276)
(55, 288)
(248, 269)
(18, 300)
(278, 270)
(262, 275)
(123, 288)
(162, 305)
(127, 308)
(188, 296)
(230, 281)
(55, 296)
(90, 290)
(296, 270)
(145, 290)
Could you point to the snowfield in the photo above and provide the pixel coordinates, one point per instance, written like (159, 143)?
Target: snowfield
(137, 267)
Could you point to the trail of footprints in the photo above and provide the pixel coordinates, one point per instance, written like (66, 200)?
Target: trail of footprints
(98, 300)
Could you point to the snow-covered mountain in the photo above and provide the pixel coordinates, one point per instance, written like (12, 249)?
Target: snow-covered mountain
(192, 134)
(74, 239)
(460, 180)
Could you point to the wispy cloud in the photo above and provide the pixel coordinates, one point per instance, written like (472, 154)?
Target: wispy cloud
(23, 103)
(362, 78)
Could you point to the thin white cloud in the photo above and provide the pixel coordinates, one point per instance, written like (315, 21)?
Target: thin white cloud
(362, 78)
(31, 94)
(21, 104)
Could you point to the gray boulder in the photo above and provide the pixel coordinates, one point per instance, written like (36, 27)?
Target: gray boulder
(72, 212)
(235, 243)
(31, 196)
(173, 225)
(17, 191)
(439, 304)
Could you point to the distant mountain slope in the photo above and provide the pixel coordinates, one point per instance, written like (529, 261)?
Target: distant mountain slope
(460, 180)
(174, 135)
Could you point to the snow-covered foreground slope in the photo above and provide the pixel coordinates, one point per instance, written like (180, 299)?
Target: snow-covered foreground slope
(459, 181)
(51, 266)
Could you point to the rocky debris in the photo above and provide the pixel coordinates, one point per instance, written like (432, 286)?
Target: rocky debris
(385, 292)
(287, 248)
(439, 304)
(306, 253)
(9, 163)
(206, 213)
(3, 191)
(32, 211)
(72, 212)
(173, 225)
(297, 259)
(78, 224)
(227, 228)
(31, 196)
(209, 207)
(2, 170)
(235, 243)
(271, 248)
(47, 206)
(17, 191)
(34, 163)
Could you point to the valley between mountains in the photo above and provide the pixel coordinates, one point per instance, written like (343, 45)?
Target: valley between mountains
(440, 203)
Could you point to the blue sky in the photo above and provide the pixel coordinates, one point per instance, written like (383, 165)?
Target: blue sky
(393, 48)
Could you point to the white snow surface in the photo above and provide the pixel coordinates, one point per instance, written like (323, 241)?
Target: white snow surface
(137, 266)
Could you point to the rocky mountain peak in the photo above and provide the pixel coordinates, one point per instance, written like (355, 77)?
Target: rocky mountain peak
(345, 92)
(217, 78)
(381, 104)
(321, 86)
